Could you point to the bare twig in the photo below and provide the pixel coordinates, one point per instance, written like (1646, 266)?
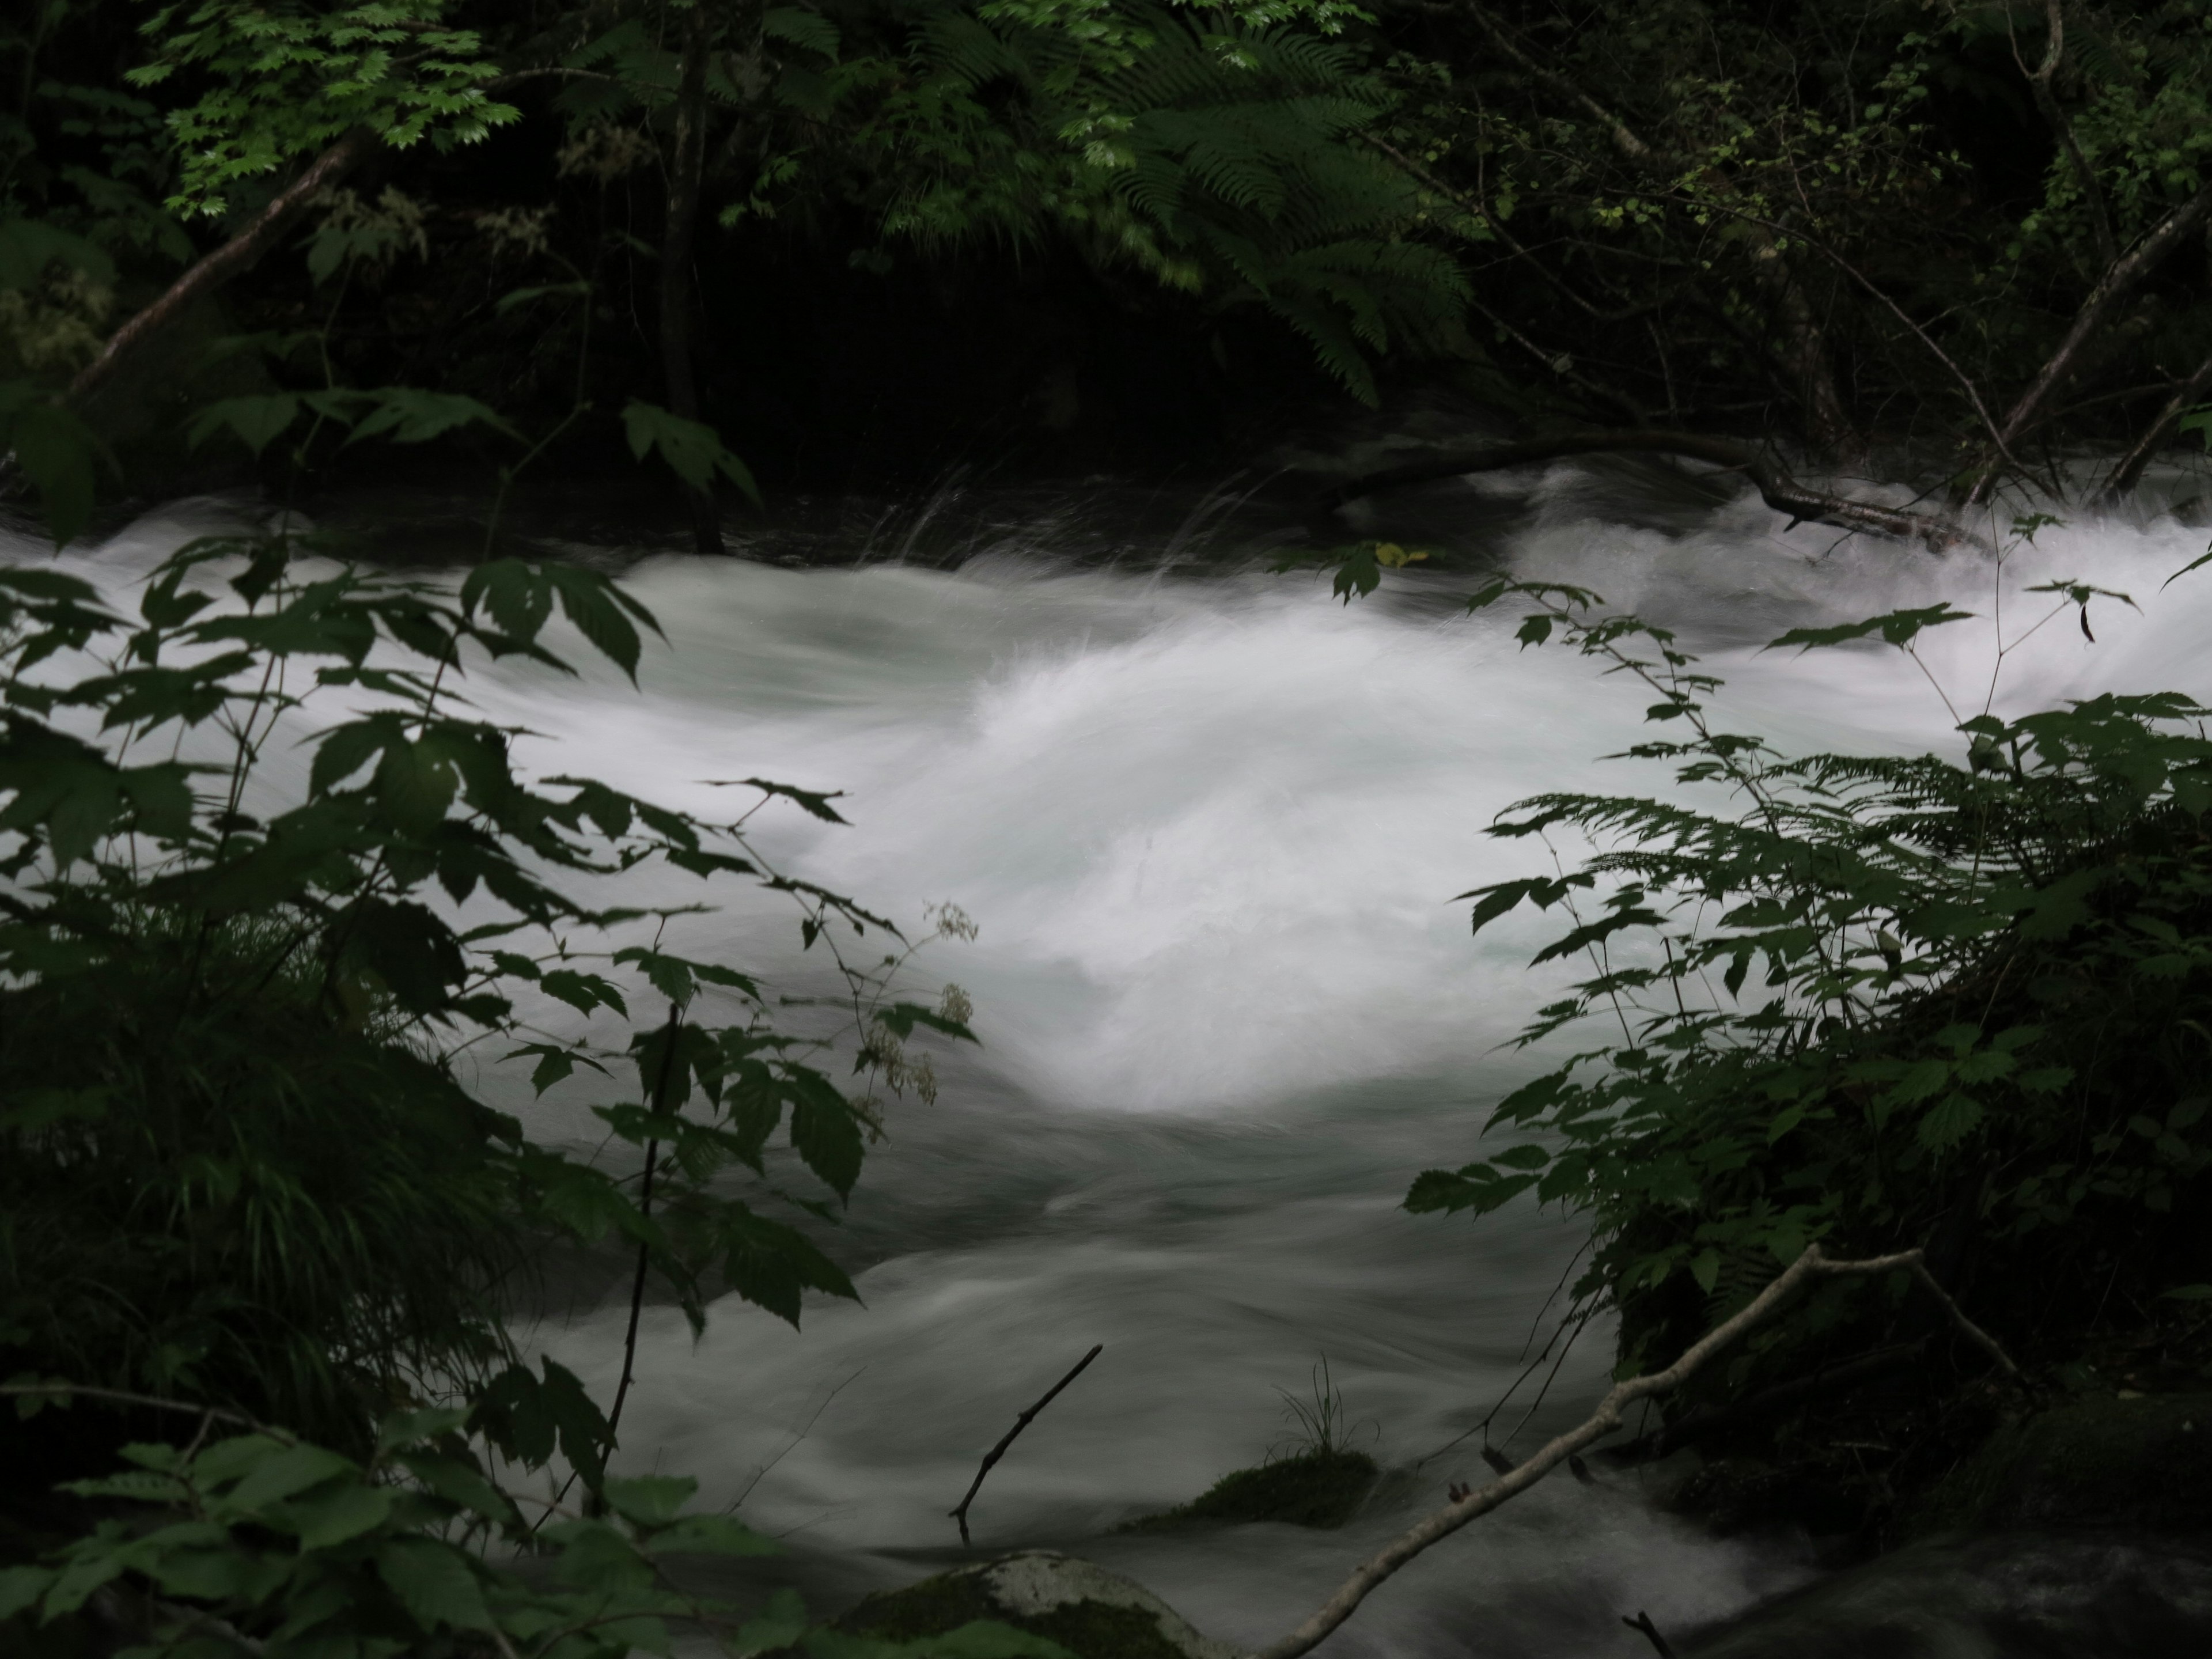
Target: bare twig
(645, 1213)
(659, 1103)
(1603, 1421)
(1643, 1622)
(1973, 1333)
(1020, 1423)
(60, 1393)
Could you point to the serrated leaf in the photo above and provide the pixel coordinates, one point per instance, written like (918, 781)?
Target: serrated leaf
(433, 1580)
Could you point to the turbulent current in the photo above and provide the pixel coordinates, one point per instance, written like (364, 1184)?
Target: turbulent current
(1210, 824)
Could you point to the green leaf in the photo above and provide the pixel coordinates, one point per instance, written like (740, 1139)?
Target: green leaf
(1896, 628)
(1706, 1268)
(826, 1132)
(2188, 1293)
(435, 1582)
(283, 1474)
(524, 1416)
(709, 1535)
(1949, 1121)
(21, 1586)
(693, 451)
(259, 420)
(331, 1517)
(900, 1017)
(408, 415)
(59, 454)
(583, 992)
(1522, 1157)
(650, 1500)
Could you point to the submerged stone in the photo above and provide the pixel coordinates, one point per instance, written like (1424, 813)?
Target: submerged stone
(1316, 1489)
(1093, 1613)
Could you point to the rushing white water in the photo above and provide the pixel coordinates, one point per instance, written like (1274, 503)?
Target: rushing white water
(1211, 828)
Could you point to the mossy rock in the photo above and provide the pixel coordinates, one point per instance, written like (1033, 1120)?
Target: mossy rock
(2143, 1464)
(1315, 1489)
(1093, 1613)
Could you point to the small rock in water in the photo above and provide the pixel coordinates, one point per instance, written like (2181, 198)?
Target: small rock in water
(1093, 1613)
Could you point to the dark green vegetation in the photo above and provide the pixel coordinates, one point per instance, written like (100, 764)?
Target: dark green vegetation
(241, 1181)
(1316, 1488)
(1960, 1006)
(1878, 1004)
(866, 238)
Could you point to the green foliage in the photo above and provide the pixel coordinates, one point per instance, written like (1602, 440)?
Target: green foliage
(693, 453)
(284, 80)
(1871, 1003)
(1218, 156)
(236, 1160)
(264, 1544)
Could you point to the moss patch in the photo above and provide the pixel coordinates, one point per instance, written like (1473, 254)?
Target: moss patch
(1318, 1489)
(2143, 1463)
(1090, 1630)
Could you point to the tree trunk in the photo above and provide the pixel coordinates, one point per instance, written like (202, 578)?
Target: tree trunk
(685, 170)
(233, 258)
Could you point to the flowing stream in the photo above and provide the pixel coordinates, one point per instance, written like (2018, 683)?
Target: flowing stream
(1210, 824)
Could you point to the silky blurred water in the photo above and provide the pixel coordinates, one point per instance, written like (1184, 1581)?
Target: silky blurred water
(1210, 824)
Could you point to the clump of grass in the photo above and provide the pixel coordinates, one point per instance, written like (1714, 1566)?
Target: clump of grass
(1314, 1478)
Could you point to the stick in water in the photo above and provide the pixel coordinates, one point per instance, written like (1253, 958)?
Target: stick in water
(1020, 1423)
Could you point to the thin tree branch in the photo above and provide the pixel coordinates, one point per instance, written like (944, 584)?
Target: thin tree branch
(645, 1213)
(2046, 100)
(2120, 279)
(1607, 1418)
(235, 256)
(685, 173)
(2128, 470)
(59, 1394)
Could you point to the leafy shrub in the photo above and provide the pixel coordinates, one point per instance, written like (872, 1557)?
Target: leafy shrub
(261, 1544)
(1875, 1004)
(234, 1160)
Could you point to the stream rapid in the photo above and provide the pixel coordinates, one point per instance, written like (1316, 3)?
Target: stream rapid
(1209, 823)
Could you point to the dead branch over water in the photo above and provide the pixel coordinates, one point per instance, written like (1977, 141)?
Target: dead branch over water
(1607, 1418)
(1020, 1423)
